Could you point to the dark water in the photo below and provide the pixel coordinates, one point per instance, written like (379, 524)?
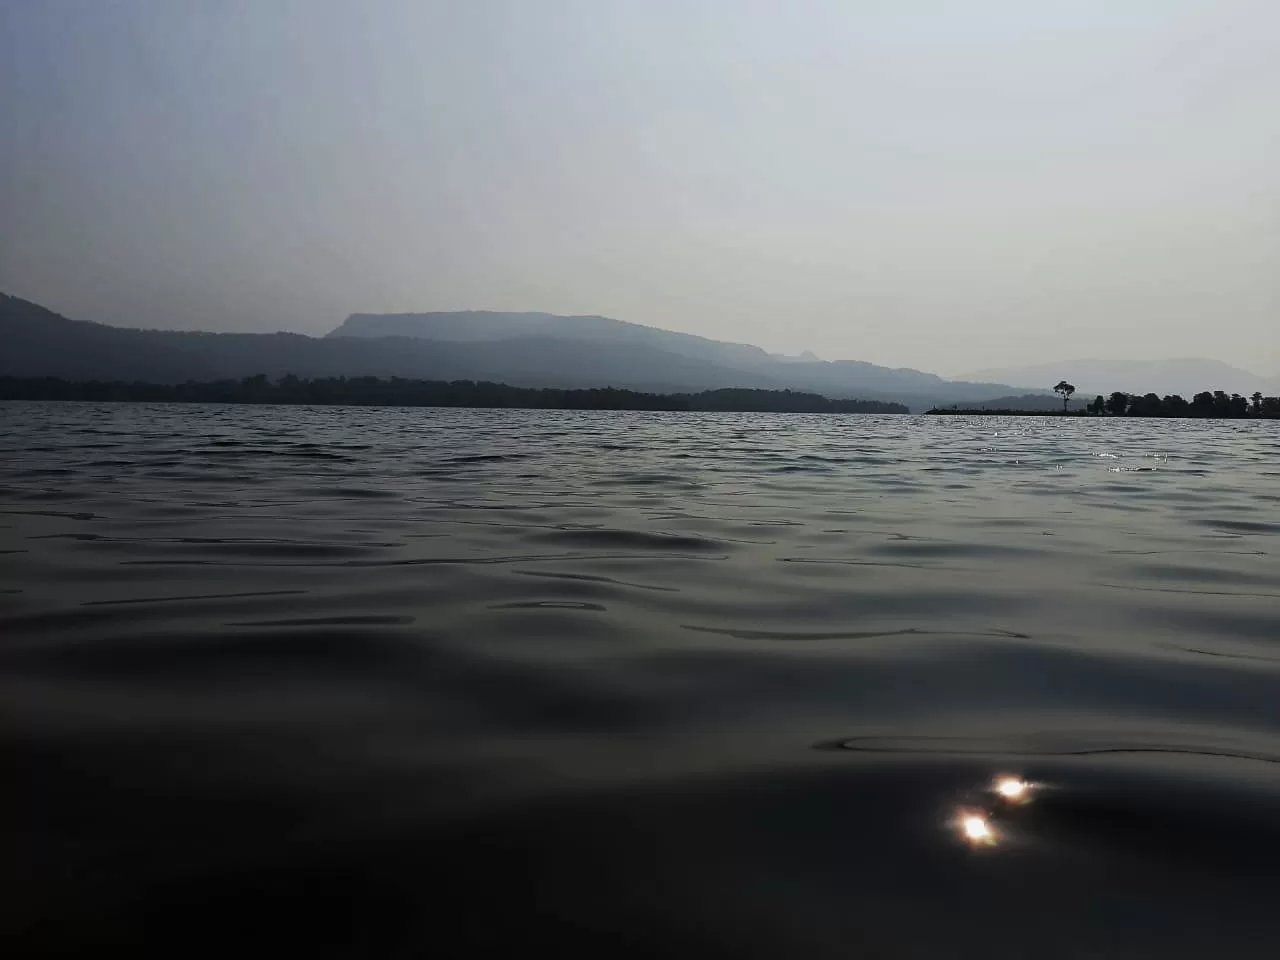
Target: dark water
(410, 683)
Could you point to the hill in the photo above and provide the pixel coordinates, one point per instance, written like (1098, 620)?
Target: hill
(40, 343)
(505, 331)
(526, 350)
(487, 326)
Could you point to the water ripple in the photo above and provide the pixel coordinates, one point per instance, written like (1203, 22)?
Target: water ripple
(337, 682)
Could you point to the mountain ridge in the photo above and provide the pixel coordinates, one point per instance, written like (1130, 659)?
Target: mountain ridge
(806, 371)
(492, 325)
(40, 342)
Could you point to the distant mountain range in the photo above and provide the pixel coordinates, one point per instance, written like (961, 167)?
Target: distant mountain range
(639, 346)
(521, 349)
(484, 326)
(548, 350)
(1185, 377)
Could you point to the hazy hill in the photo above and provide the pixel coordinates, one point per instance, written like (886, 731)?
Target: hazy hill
(528, 350)
(485, 325)
(38, 342)
(1093, 376)
(850, 378)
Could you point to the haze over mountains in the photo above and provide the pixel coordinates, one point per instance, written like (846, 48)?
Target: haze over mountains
(642, 346)
(516, 348)
(539, 350)
(1183, 376)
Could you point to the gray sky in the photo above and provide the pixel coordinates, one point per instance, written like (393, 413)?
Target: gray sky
(945, 185)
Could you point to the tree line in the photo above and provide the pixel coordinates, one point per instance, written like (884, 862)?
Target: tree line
(1216, 404)
(1208, 403)
(402, 392)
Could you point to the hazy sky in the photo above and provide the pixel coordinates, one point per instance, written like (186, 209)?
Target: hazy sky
(946, 185)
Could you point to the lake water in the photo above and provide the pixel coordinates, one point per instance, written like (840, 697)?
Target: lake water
(323, 682)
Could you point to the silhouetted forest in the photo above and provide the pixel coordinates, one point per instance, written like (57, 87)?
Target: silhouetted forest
(1207, 404)
(400, 392)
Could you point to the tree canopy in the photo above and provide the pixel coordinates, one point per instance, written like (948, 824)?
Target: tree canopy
(1207, 404)
(1066, 389)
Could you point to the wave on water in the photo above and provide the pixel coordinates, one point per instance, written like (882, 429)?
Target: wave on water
(399, 682)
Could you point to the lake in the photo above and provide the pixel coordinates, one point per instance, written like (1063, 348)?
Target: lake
(405, 682)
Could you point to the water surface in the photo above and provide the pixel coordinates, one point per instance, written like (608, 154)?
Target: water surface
(398, 683)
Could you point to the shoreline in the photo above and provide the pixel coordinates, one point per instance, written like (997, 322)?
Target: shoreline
(398, 392)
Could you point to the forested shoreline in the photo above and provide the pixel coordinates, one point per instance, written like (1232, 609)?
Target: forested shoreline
(1208, 404)
(401, 392)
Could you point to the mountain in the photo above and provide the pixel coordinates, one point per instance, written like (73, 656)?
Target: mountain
(527, 350)
(1186, 377)
(468, 326)
(39, 342)
(848, 378)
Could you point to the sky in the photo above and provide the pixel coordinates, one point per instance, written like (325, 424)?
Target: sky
(942, 185)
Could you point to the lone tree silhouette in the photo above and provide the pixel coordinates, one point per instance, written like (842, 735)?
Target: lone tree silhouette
(1066, 389)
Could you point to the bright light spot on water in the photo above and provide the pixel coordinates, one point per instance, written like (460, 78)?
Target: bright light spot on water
(976, 829)
(1011, 788)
